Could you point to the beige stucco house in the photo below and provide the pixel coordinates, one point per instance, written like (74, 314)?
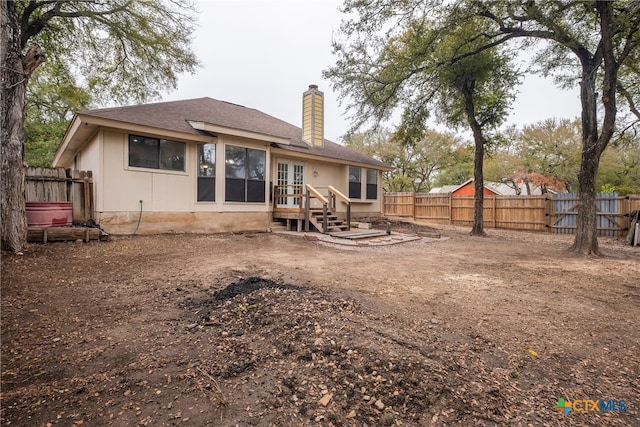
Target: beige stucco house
(204, 165)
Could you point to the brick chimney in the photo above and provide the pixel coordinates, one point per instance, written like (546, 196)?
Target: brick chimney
(313, 116)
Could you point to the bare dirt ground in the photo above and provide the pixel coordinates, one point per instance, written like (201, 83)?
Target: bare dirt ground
(278, 329)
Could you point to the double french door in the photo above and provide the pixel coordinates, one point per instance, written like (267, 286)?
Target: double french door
(290, 180)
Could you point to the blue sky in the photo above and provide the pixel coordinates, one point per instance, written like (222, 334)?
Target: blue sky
(265, 54)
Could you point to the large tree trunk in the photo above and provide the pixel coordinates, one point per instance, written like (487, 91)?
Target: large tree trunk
(593, 141)
(16, 71)
(478, 183)
(478, 159)
(586, 238)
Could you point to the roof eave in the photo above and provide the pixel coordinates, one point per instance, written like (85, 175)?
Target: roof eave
(299, 154)
(88, 124)
(66, 140)
(217, 129)
(461, 185)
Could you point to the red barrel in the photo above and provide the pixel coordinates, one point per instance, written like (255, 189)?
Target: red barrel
(49, 214)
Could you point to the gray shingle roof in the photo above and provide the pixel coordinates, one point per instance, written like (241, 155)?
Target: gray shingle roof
(175, 116)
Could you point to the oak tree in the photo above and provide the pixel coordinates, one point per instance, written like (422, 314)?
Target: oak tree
(586, 43)
(121, 50)
(429, 70)
(593, 44)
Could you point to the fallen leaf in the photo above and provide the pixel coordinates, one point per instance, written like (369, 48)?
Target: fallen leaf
(324, 400)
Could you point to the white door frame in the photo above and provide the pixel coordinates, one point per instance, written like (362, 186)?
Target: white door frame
(289, 172)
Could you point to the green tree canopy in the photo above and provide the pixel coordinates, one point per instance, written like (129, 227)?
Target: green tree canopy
(115, 50)
(118, 50)
(42, 140)
(620, 166)
(416, 165)
(459, 169)
(426, 68)
(53, 96)
(593, 43)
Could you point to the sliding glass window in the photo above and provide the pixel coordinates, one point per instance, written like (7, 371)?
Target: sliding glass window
(372, 184)
(206, 172)
(245, 174)
(355, 182)
(154, 153)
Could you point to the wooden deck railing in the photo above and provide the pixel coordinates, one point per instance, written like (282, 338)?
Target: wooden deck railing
(303, 208)
(336, 194)
(281, 194)
(315, 194)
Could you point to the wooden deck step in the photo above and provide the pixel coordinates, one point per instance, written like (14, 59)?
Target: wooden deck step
(358, 234)
(278, 226)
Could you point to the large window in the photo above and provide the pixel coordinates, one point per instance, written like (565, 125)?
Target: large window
(156, 153)
(372, 184)
(244, 174)
(206, 172)
(355, 182)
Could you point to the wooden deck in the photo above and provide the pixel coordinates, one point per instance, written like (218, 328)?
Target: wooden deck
(321, 213)
(288, 213)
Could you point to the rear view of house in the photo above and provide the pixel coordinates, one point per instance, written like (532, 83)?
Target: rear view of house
(204, 165)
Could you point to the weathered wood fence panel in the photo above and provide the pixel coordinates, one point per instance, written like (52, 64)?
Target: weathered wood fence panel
(534, 213)
(399, 204)
(462, 210)
(511, 212)
(562, 214)
(46, 185)
(634, 203)
(611, 220)
(434, 207)
(81, 194)
(60, 185)
(521, 213)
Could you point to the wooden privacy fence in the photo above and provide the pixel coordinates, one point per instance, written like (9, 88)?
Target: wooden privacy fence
(60, 185)
(555, 214)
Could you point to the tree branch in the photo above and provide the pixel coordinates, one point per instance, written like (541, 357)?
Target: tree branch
(625, 93)
(554, 32)
(31, 28)
(32, 60)
(25, 23)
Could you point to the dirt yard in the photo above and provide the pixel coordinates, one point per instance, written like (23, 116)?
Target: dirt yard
(279, 329)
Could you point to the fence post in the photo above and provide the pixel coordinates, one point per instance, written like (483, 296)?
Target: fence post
(413, 206)
(76, 195)
(494, 211)
(626, 211)
(87, 204)
(69, 175)
(548, 203)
